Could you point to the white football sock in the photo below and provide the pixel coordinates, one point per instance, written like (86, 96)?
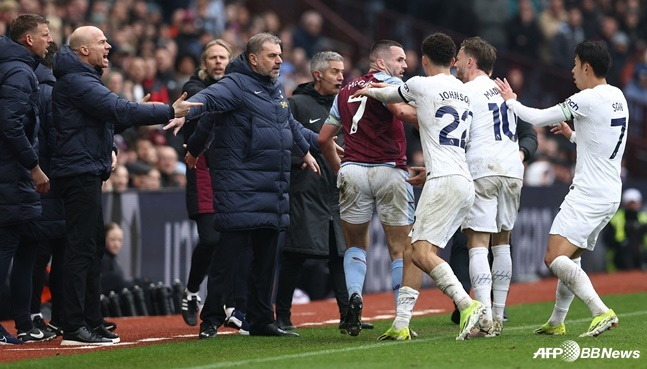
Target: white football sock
(563, 299)
(501, 275)
(406, 301)
(578, 282)
(481, 278)
(446, 281)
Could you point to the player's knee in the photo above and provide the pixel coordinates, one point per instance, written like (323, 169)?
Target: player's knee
(548, 259)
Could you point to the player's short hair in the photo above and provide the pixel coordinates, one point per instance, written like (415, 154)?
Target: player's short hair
(596, 54)
(439, 48)
(48, 60)
(256, 42)
(320, 61)
(219, 42)
(25, 23)
(380, 47)
(481, 51)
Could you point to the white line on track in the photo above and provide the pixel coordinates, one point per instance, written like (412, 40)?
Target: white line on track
(291, 356)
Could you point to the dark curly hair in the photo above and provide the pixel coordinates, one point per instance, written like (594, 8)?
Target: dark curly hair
(439, 48)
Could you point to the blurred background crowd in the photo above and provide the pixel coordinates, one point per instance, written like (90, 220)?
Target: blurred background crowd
(157, 47)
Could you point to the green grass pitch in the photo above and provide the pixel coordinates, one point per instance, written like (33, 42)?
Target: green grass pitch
(434, 348)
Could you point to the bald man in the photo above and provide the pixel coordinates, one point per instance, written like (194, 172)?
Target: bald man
(86, 115)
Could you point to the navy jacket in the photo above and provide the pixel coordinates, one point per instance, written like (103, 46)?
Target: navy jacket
(19, 201)
(51, 223)
(254, 135)
(86, 115)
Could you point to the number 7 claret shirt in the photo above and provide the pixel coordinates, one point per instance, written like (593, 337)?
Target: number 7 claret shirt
(372, 135)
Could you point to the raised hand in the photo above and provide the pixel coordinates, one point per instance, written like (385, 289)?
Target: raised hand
(504, 89)
(182, 107)
(176, 124)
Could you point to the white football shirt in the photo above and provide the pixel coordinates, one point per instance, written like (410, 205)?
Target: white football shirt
(601, 116)
(492, 149)
(444, 117)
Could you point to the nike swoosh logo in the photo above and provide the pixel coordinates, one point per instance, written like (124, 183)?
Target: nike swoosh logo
(257, 92)
(314, 120)
(39, 335)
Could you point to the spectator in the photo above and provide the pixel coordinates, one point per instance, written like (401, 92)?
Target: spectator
(168, 165)
(626, 234)
(119, 179)
(524, 36)
(29, 39)
(85, 114)
(550, 19)
(112, 275)
(308, 35)
(569, 35)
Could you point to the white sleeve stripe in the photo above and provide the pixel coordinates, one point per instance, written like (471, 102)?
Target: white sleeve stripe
(333, 121)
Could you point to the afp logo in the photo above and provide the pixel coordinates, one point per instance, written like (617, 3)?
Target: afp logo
(569, 351)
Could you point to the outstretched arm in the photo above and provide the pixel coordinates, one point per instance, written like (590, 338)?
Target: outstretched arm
(536, 117)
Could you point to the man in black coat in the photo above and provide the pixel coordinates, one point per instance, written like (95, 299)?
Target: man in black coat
(21, 179)
(315, 226)
(86, 114)
(254, 137)
(199, 203)
(50, 226)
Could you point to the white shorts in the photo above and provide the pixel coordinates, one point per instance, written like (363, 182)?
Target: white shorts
(443, 206)
(363, 188)
(496, 204)
(581, 222)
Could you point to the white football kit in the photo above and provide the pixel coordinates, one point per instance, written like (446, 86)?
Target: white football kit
(601, 116)
(493, 159)
(444, 117)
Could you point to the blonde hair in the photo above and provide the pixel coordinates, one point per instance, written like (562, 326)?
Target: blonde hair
(202, 74)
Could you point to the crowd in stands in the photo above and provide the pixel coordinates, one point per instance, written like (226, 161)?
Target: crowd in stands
(157, 47)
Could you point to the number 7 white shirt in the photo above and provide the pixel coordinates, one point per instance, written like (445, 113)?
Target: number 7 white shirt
(444, 118)
(601, 117)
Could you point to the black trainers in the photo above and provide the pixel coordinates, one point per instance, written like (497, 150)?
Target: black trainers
(84, 337)
(35, 335)
(105, 333)
(284, 323)
(111, 326)
(190, 308)
(207, 330)
(354, 315)
(55, 328)
(273, 330)
(8, 339)
(40, 323)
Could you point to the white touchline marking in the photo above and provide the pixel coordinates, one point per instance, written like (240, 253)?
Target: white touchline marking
(369, 346)
(291, 356)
